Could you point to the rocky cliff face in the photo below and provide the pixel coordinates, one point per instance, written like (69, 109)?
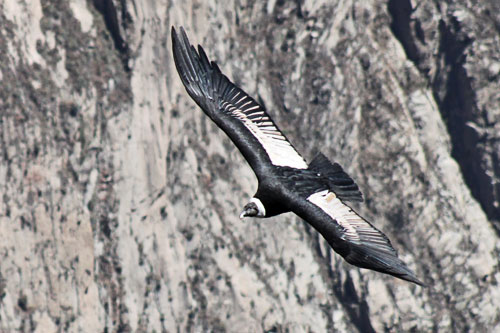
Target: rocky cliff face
(120, 199)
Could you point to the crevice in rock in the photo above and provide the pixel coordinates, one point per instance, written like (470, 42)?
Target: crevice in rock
(400, 11)
(458, 108)
(453, 92)
(357, 309)
(110, 14)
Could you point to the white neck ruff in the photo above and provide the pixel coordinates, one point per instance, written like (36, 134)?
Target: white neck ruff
(260, 207)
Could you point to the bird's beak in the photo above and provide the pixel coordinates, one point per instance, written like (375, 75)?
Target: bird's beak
(250, 209)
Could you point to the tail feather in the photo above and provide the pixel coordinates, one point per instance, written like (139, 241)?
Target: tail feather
(339, 181)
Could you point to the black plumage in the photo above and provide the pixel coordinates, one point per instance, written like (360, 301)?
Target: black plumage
(316, 192)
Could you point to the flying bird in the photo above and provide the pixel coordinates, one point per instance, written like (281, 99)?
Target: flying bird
(317, 192)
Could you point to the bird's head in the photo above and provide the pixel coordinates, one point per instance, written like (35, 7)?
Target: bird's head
(254, 208)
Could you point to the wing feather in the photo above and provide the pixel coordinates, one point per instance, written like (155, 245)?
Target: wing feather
(354, 238)
(233, 110)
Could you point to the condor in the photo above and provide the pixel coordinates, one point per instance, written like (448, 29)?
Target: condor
(317, 192)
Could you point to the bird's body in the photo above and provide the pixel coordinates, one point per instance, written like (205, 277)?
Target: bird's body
(316, 192)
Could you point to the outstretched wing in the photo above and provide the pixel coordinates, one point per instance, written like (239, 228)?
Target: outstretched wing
(245, 122)
(350, 235)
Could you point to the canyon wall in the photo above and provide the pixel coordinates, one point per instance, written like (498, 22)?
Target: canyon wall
(120, 199)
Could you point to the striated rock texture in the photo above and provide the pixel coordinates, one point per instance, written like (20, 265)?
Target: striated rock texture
(119, 199)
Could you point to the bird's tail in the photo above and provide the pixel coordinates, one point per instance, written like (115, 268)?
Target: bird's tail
(338, 180)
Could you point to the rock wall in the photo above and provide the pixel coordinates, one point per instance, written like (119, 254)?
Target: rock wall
(120, 199)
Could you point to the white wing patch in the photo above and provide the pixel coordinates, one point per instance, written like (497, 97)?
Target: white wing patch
(277, 147)
(355, 227)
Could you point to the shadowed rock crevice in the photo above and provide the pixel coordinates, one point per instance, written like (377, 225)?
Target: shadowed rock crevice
(358, 309)
(116, 26)
(453, 91)
(400, 11)
(459, 110)
(345, 291)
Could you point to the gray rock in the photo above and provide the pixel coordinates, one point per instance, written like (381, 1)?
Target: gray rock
(119, 199)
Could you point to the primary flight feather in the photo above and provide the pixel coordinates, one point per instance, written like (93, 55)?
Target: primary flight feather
(316, 191)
